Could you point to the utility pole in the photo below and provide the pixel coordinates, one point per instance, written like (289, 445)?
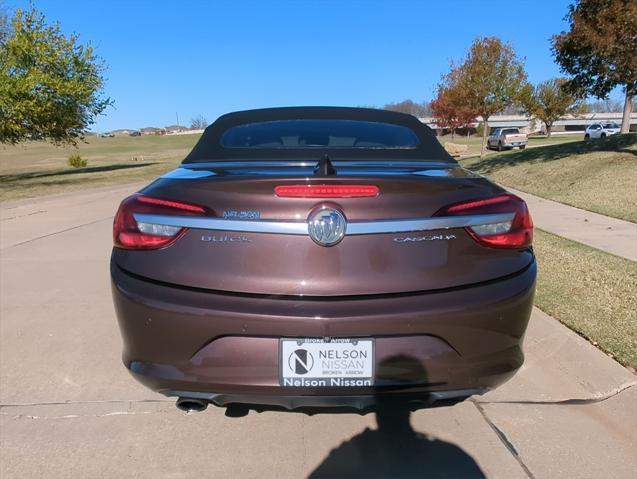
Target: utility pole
(177, 115)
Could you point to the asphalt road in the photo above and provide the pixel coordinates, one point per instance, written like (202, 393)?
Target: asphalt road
(70, 409)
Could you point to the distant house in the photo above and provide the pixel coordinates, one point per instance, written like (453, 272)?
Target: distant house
(175, 129)
(151, 130)
(122, 132)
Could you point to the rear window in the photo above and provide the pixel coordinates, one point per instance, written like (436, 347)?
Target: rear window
(611, 125)
(510, 131)
(308, 133)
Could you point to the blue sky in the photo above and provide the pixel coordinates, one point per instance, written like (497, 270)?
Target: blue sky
(197, 57)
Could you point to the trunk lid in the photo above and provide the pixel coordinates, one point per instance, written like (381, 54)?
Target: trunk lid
(287, 264)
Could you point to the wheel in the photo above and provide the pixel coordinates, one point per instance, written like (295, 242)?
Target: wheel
(522, 147)
(603, 135)
(500, 146)
(587, 136)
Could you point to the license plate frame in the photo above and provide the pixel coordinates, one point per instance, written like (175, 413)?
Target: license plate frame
(313, 369)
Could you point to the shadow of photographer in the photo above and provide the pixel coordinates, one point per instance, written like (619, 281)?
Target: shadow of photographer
(395, 449)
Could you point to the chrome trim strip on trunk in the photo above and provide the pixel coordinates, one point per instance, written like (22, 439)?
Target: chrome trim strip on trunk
(424, 224)
(300, 227)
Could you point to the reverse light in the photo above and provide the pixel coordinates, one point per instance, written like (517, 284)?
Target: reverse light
(128, 233)
(326, 191)
(514, 233)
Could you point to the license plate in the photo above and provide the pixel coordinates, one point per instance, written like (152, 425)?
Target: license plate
(339, 362)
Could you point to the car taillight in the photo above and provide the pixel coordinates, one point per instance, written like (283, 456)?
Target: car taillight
(514, 233)
(326, 191)
(128, 233)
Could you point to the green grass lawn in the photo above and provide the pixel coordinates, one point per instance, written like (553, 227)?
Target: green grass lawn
(596, 175)
(36, 168)
(590, 291)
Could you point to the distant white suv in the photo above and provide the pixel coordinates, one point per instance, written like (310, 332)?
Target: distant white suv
(601, 130)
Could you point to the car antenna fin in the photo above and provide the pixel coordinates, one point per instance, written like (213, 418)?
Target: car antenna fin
(324, 167)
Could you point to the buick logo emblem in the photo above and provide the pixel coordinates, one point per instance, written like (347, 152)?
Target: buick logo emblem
(301, 361)
(326, 226)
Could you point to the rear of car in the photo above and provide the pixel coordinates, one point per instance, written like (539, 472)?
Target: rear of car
(305, 257)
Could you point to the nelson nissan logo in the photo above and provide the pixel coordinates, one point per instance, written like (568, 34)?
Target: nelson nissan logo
(301, 361)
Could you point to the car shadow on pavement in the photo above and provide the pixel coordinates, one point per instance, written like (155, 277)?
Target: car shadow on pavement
(395, 449)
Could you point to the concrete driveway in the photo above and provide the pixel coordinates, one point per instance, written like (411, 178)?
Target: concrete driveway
(69, 408)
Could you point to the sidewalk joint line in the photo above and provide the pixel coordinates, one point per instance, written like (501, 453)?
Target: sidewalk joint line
(504, 440)
(103, 401)
(571, 402)
(58, 232)
(78, 416)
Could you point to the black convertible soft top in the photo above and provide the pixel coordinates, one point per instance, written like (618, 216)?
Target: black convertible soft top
(210, 147)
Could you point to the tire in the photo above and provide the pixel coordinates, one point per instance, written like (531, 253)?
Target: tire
(587, 136)
(522, 147)
(603, 135)
(500, 146)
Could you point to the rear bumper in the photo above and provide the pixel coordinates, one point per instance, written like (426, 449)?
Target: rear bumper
(224, 348)
(363, 402)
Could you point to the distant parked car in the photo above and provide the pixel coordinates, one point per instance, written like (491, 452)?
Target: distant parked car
(506, 138)
(135, 133)
(107, 135)
(601, 130)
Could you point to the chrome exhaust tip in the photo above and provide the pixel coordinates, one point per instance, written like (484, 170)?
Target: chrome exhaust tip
(191, 405)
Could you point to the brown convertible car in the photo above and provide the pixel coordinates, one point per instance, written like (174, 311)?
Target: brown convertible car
(321, 257)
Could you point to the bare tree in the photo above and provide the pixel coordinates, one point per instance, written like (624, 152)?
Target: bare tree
(410, 107)
(603, 106)
(198, 123)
